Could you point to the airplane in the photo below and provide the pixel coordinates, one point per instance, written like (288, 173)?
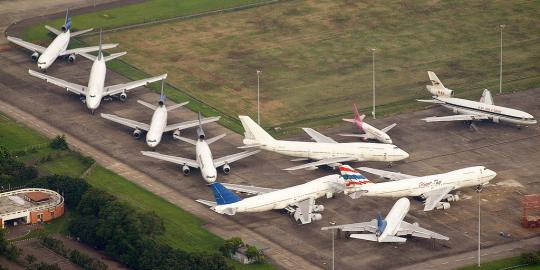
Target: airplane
(45, 57)
(298, 201)
(389, 229)
(96, 91)
(370, 132)
(469, 111)
(325, 150)
(205, 162)
(433, 189)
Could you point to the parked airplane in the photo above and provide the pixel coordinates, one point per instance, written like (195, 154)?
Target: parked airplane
(96, 91)
(205, 162)
(370, 132)
(390, 228)
(158, 124)
(324, 149)
(45, 57)
(470, 111)
(434, 189)
(298, 201)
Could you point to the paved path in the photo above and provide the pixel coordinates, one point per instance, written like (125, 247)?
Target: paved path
(488, 254)
(279, 256)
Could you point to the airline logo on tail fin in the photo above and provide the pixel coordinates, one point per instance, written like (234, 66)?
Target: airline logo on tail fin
(352, 177)
(223, 195)
(381, 225)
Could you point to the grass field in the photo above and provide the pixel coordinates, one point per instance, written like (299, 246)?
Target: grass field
(16, 137)
(315, 58)
(70, 164)
(508, 263)
(136, 13)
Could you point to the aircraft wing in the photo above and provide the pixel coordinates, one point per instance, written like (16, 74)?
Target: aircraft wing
(126, 122)
(430, 101)
(178, 160)
(248, 189)
(435, 196)
(73, 87)
(459, 117)
(370, 226)
(53, 30)
(303, 210)
(218, 162)
(388, 128)
(27, 45)
(88, 49)
(326, 161)
(361, 136)
(119, 88)
(406, 228)
(394, 176)
(318, 137)
(192, 123)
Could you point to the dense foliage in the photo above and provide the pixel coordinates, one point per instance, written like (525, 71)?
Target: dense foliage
(13, 172)
(73, 255)
(59, 142)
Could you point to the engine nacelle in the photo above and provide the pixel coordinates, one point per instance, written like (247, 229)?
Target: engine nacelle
(329, 195)
(226, 168)
(71, 58)
(137, 133)
(200, 133)
(451, 198)
(443, 206)
(455, 111)
(185, 170)
(176, 134)
(440, 91)
(315, 217)
(64, 28)
(496, 119)
(123, 96)
(318, 208)
(35, 56)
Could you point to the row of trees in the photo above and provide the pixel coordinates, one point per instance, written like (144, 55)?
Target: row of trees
(73, 255)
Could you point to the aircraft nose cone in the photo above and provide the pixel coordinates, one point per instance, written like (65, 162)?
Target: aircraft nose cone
(404, 154)
(492, 173)
(151, 144)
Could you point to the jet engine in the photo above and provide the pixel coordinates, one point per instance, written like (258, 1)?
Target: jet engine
(71, 58)
(176, 134)
(443, 206)
(496, 119)
(226, 168)
(123, 96)
(185, 170)
(455, 111)
(137, 133)
(316, 216)
(35, 56)
(200, 133)
(318, 208)
(451, 198)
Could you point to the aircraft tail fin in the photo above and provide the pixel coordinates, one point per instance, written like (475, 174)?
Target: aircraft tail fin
(437, 88)
(253, 133)
(163, 98)
(67, 22)
(434, 79)
(487, 98)
(352, 177)
(357, 115)
(223, 195)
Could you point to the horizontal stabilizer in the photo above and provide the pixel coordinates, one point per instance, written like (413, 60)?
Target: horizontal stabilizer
(53, 30)
(388, 128)
(113, 56)
(249, 146)
(207, 203)
(146, 104)
(184, 139)
(365, 236)
(88, 56)
(78, 33)
(430, 101)
(348, 120)
(215, 139)
(176, 106)
(393, 239)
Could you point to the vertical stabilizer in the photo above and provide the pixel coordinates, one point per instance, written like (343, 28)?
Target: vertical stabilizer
(200, 131)
(100, 53)
(253, 133)
(162, 97)
(223, 195)
(67, 22)
(357, 115)
(352, 177)
(487, 98)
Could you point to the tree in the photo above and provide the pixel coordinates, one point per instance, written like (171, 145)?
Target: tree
(43, 266)
(253, 253)
(30, 259)
(72, 188)
(59, 142)
(230, 246)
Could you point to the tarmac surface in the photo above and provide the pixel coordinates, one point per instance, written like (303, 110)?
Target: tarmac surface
(435, 148)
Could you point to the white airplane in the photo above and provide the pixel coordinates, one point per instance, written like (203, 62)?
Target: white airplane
(325, 150)
(96, 90)
(205, 162)
(390, 228)
(45, 57)
(470, 111)
(370, 132)
(434, 189)
(298, 201)
(158, 124)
